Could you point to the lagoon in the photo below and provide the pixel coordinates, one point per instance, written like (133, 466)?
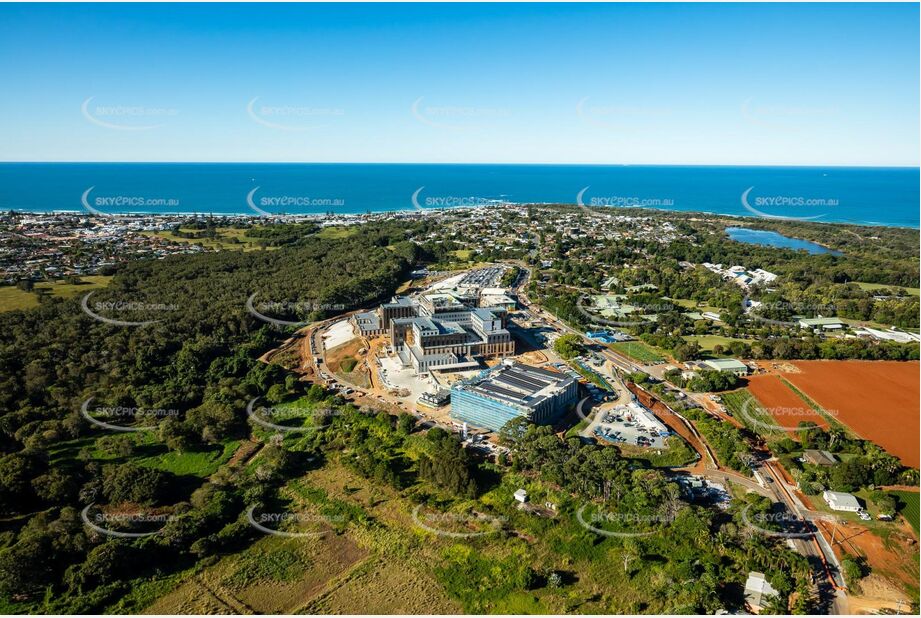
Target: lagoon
(773, 239)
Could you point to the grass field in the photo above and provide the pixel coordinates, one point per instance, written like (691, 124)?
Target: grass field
(637, 350)
(149, 452)
(463, 254)
(908, 506)
(879, 286)
(336, 232)
(692, 305)
(708, 342)
(228, 238)
(380, 561)
(746, 408)
(192, 463)
(12, 298)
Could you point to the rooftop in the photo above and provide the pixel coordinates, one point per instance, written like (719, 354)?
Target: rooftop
(820, 321)
(400, 301)
(757, 589)
(518, 385)
(841, 499)
(725, 364)
(819, 458)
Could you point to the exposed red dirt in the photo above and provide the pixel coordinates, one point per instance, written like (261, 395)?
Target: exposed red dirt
(895, 558)
(787, 408)
(878, 400)
(674, 423)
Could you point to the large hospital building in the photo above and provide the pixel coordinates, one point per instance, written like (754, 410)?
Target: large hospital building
(511, 390)
(440, 330)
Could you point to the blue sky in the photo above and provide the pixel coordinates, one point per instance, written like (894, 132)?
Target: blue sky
(807, 84)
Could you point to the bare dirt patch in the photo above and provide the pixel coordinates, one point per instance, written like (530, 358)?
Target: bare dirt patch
(878, 400)
(778, 367)
(894, 557)
(786, 407)
(877, 596)
(350, 353)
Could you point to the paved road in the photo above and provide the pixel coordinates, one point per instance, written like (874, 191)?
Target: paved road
(816, 549)
(724, 476)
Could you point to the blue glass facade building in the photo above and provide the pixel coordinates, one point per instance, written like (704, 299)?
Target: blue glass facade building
(502, 393)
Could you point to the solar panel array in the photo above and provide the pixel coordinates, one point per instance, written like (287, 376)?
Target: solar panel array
(519, 384)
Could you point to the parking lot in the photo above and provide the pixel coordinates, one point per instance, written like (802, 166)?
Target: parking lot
(484, 277)
(630, 424)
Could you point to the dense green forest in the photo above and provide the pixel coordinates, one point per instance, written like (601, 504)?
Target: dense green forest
(197, 362)
(186, 373)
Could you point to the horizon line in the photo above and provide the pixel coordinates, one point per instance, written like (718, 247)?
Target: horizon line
(784, 165)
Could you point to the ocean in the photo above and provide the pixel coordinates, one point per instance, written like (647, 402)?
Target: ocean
(868, 196)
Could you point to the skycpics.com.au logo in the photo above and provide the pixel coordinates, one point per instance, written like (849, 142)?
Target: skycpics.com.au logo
(258, 310)
(101, 415)
(770, 311)
(621, 525)
(124, 525)
(610, 312)
(97, 205)
(313, 524)
(761, 206)
(273, 417)
(781, 524)
(279, 204)
(761, 417)
(456, 117)
(618, 201)
(292, 117)
(124, 307)
(126, 117)
(455, 525)
(449, 201)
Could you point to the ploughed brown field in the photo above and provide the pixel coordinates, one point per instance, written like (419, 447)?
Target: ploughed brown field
(879, 400)
(785, 406)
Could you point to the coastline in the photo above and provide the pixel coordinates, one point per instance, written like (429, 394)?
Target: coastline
(282, 217)
(872, 197)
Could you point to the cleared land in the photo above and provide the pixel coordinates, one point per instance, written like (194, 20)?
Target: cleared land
(343, 360)
(785, 406)
(708, 342)
(12, 298)
(637, 350)
(148, 451)
(880, 286)
(225, 238)
(275, 575)
(878, 400)
(335, 232)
